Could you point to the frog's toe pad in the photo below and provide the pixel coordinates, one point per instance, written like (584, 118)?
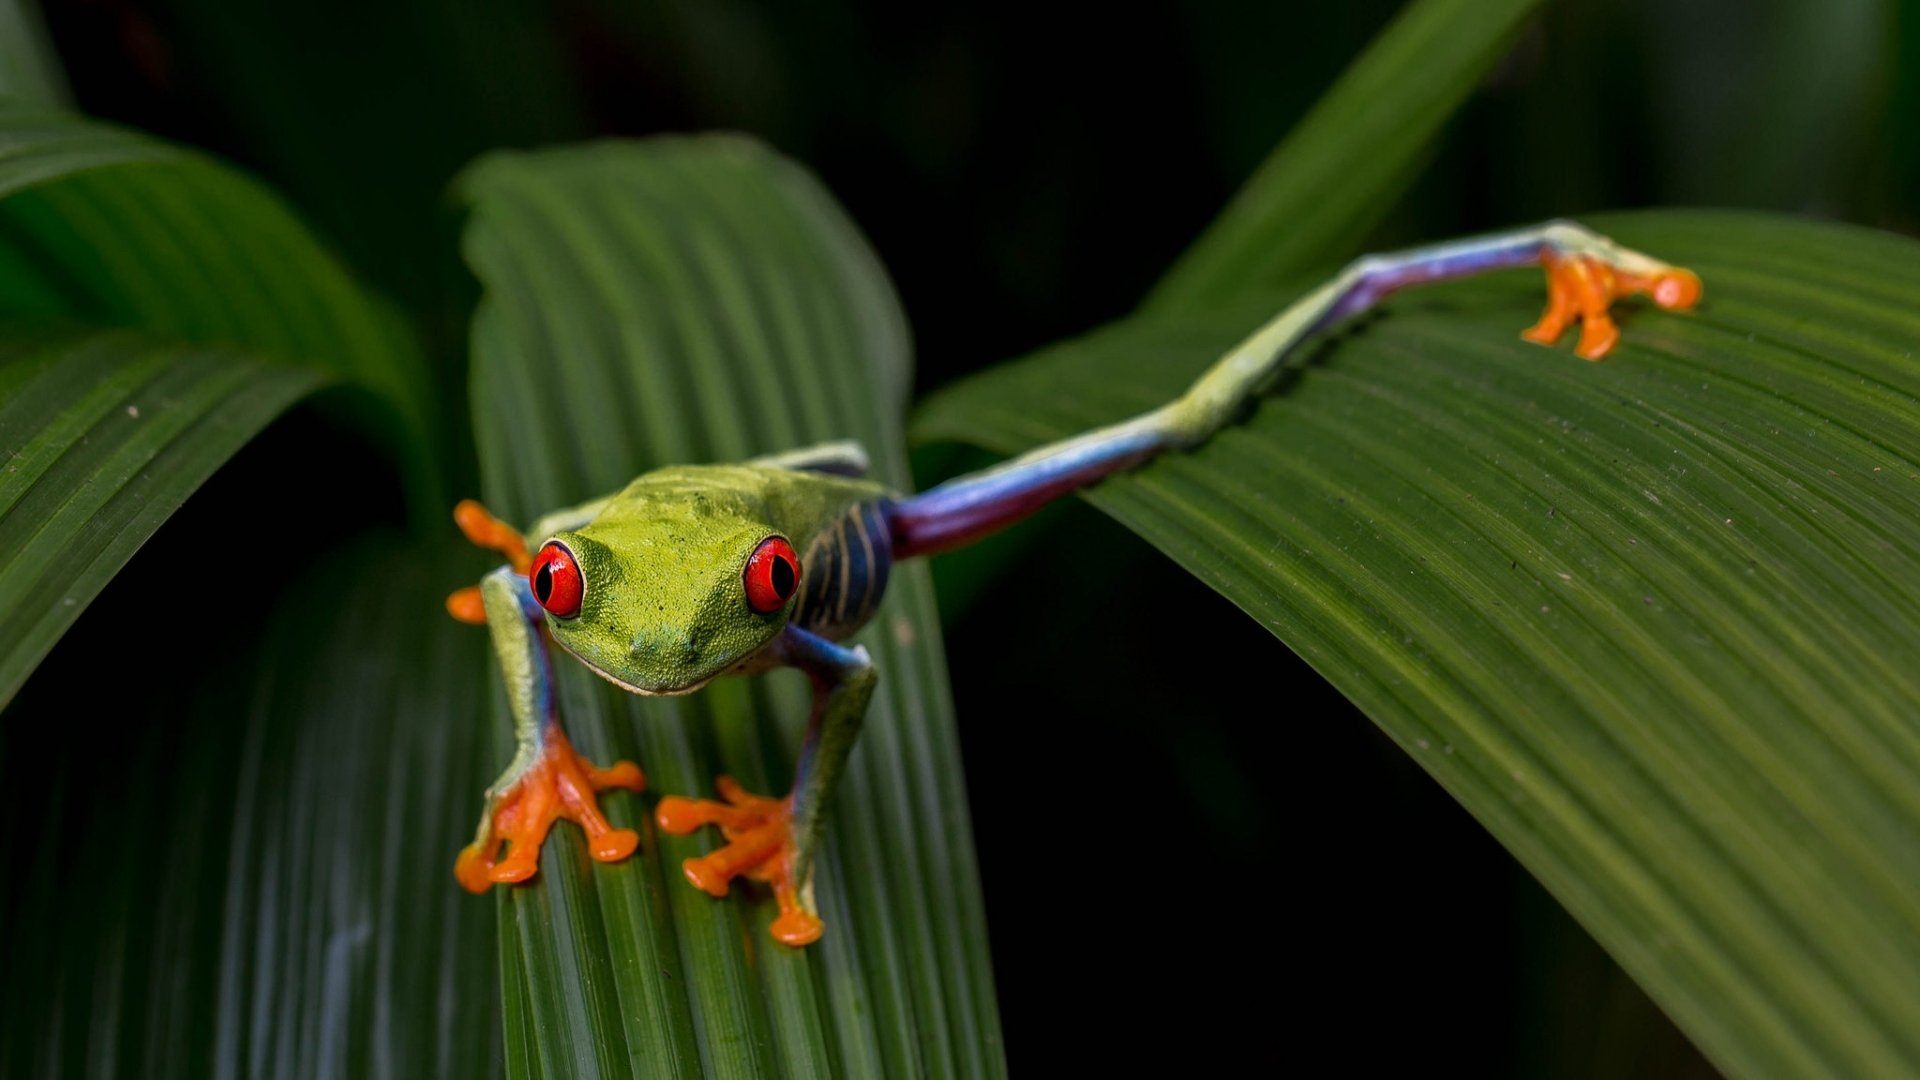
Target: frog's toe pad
(797, 926)
(559, 784)
(759, 846)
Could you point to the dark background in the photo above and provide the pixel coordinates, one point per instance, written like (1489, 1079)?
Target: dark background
(1027, 173)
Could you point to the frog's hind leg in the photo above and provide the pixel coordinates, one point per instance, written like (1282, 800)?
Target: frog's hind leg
(547, 780)
(1586, 272)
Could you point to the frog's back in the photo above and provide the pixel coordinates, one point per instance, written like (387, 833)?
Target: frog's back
(837, 524)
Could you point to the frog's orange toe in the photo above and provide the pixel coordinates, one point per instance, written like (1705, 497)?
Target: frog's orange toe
(467, 606)
(796, 927)
(560, 784)
(709, 879)
(760, 846)
(484, 530)
(1675, 289)
(514, 869)
(473, 869)
(614, 845)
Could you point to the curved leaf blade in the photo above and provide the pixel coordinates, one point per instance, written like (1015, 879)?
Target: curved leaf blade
(1656, 621)
(1314, 198)
(29, 67)
(702, 300)
(110, 228)
(239, 310)
(103, 435)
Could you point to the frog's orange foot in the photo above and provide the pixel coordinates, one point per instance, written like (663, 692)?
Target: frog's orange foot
(1584, 287)
(759, 845)
(560, 784)
(487, 531)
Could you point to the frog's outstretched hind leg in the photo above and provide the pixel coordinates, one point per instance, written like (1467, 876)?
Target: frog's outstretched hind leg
(1586, 272)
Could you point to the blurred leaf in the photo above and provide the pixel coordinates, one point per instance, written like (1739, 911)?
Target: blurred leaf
(1655, 621)
(256, 881)
(705, 300)
(109, 432)
(1315, 197)
(104, 434)
(1769, 105)
(29, 68)
(109, 228)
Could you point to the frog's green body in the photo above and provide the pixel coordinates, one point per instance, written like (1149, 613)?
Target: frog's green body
(696, 571)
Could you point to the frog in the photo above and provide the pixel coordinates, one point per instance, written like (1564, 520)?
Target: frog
(693, 573)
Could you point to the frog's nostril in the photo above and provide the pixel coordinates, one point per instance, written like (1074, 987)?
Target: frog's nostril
(694, 644)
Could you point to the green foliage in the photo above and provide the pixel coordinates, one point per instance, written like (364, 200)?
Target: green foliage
(110, 229)
(28, 69)
(1655, 621)
(277, 900)
(105, 434)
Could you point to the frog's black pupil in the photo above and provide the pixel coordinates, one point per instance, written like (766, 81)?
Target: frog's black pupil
(783, 581)
(543, 582)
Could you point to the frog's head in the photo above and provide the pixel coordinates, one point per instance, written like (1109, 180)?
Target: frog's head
(661, 604)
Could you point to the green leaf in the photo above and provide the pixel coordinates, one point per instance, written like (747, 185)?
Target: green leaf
(29, 67)
(278, 899)
(1316, 196)
(110, 228)
(704, 300)
(103, 435)
(1654, 621)
(239, 310)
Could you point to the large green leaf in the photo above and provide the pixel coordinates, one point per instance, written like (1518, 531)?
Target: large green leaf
(110, 228)
(701, 300)
(238, 309)
(29, 68)
(104, 434)
(1654, 621)
(251, 879)
(1347, 162)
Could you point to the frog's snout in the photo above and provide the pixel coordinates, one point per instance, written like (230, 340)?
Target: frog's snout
(668, 648)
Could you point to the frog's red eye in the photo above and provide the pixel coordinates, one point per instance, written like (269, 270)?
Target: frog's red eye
(773, 572)
(555, 578)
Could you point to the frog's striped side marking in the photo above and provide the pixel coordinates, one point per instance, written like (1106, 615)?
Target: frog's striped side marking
(844, 572)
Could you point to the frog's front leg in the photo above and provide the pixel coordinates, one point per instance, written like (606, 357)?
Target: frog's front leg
(774, 840)
(547, 780)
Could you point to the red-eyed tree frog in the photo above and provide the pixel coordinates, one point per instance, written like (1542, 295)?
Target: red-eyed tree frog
(695, 572)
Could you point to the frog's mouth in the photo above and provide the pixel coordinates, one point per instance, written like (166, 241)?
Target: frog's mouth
(635, 688)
